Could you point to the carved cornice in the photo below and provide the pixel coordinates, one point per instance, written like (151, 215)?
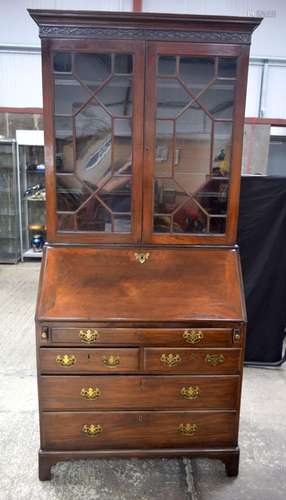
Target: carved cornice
(49, 31)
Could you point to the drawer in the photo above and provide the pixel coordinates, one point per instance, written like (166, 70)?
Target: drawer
(127, 430)
(192, 360)
(89, 335)
(150, 392)
(53, 360)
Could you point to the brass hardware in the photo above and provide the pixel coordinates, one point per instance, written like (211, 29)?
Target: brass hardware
(188, 429)
(190, 392)
(142, 257)
(44, 334)
(66, 360)
(111, 360)
(170, 359)
(92, 430)
(236, 335)
(214, 359)
(88, 336)
(193, 336)
(90, 393)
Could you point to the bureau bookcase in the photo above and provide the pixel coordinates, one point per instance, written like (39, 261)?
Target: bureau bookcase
(140, 319)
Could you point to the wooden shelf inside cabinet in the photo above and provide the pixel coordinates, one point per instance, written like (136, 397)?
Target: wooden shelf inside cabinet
(141, 285)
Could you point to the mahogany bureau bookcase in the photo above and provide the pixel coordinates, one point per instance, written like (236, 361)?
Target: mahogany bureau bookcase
(140, 317)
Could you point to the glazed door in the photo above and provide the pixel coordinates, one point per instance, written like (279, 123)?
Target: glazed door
(93, 100)
(194, 113)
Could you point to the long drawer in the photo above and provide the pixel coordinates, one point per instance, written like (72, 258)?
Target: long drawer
(192, 360)
(153, 392)
(89, 335)
(146, 429)
(88, 360)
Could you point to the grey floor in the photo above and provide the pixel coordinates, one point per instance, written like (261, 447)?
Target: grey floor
(262, 436)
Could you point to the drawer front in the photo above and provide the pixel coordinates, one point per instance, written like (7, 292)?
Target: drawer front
(92, 336)
(114, 360)
(192, 360)
(153, 392)
(107, 430)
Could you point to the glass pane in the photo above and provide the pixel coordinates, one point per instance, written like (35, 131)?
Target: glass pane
(218, 225)
(66, 222)
(122, 223)
(122, 146)
(116, 194)
(168, 196)
(62, 62)
(222, 148)
(164, 148)
(190, 219)
(70, 95)
(197, 72)
(227, 67)
(171, 98)
(162, 224)
(64, 143)
(93, 216)
(213, 196)
(92, 69)
(218, 99)
(93, 129)
(116, 96)
(167, 65)
(123, 63)
(70, 193)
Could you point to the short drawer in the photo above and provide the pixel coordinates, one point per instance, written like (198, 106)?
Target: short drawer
(93, 336)
(127, 430)
(192, 360)
(135, 392)
(53, 360)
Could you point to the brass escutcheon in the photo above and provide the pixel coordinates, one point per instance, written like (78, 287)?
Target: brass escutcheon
(111, 361)
(88, 336)
(92, 430)
(191, 392)
(66, 360)
(188, 429)
(142, 257)
(214, 359)
(170, 359)
(193, 336)
(90, 393)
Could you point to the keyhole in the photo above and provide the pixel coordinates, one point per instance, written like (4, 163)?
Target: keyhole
(88, 356)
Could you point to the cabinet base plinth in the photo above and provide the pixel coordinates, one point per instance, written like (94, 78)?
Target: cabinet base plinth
(229, 456)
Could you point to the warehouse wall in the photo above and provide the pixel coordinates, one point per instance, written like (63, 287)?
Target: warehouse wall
(20, 64)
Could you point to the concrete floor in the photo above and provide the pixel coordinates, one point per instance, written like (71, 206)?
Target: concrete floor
(262, 436)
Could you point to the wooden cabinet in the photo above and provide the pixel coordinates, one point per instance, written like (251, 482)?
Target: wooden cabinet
(140, 318)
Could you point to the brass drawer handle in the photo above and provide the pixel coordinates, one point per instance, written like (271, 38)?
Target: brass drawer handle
(92, 430)
(188, 429)
(90, 393)
(111, 361)
(191, 392)
(66, 360)
(88, 336)
(214, 359)
(170, 359)
(142, 257)
(193, 336)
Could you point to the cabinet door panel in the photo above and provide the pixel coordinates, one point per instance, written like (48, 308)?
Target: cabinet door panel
(96, 117)
(193, 119)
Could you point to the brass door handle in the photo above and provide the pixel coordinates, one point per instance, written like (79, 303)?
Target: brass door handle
(88, 336)
(170, 359)
(66, 360)
(92, 430)
(90, 393)
(191, 392)
(111, 361)
(188, 429)
(193, 336)
(214, 359)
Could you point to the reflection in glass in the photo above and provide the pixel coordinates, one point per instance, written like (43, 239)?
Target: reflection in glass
(171, 98)
(222, 148)
(66, 222)
(164, 148)
(162, 224)
(93, 216)
(123, 64)
(197, 72)
(218, 99)
(70, 95)
(168, 196)
(167, 65)
(62, 62)
(70, 193)
(122, 146)
(116, 96)
(213, 196)
(92, 69)
(116, 194)
(122, 223)
(64, 143)
(190, 219)
(227, 67)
